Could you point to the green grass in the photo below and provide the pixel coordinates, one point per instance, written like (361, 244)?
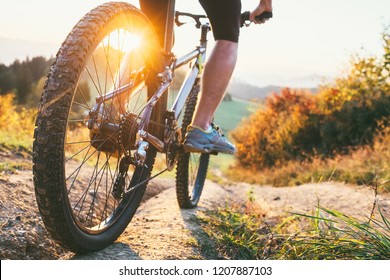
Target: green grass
(236, 235)
(16, 141)
(327, 234)
(333, 235)
(230, 113)
(242, 231)
(221, 162)
(13, 166)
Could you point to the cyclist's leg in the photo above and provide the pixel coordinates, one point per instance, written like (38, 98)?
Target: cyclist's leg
(216, 76)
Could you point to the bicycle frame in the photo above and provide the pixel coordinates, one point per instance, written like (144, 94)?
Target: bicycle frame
(165, 78)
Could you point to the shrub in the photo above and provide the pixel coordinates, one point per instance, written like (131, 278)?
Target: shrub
(16, 124)
(295, 125)
(267, 137)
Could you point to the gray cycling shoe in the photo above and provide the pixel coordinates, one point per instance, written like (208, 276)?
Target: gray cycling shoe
(199, 141)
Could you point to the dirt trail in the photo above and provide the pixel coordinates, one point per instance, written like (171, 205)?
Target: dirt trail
(160, 229)
(356, 201)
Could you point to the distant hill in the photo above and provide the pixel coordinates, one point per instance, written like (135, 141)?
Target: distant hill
(11, 49)
(307, 81)
(249, 92)
(244, 91)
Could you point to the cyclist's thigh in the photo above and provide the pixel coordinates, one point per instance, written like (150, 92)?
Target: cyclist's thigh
(156, 11)
(225, 17)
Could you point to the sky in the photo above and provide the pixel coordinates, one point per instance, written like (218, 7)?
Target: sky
(305, 38)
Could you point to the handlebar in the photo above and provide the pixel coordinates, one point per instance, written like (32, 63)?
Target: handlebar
(245, 17)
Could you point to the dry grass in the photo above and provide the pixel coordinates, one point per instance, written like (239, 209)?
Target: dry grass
(361, 166)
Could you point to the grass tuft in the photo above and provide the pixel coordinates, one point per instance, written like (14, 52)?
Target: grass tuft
(241, 232)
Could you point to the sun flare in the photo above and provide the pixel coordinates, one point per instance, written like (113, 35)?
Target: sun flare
(123, 41)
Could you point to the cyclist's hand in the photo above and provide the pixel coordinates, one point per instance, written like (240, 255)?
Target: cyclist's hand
(264, 6)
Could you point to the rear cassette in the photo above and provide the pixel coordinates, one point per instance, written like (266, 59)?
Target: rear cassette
(128, 128)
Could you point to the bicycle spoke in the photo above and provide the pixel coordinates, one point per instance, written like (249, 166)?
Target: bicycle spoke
(82, 163)
(75, 120)
(93, 81)
(108, 64)
(81, 105)
(83, 96)
(83, 196)
(106, 67)
(93, 181)
(95, 191)
(109, 191)
(79, 152)
(78, 142)
(77, 170)
(119, 59)
(97, 74)
(85, 160)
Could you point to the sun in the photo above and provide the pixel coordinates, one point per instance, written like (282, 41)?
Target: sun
(123, 40)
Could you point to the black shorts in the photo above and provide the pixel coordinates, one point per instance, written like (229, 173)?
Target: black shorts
(224, 16)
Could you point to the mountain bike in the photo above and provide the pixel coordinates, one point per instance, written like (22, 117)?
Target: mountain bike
(105, 113)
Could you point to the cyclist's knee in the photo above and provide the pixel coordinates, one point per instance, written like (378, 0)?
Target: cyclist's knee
(226, 46)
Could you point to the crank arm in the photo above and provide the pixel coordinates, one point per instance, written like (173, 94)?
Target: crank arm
(157, 143)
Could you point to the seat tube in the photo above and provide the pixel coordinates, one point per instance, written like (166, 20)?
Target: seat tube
(158, 112)
(169, 26)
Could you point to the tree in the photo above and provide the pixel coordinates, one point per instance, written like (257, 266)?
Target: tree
(23, 77)
(7, 80)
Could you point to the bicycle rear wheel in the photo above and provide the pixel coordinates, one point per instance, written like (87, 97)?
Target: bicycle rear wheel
(191, 170)
(87, 190)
